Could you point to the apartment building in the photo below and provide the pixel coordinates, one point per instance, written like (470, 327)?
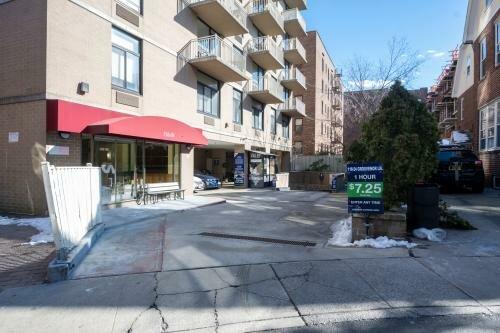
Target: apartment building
(440, 100)
(320, 131)
(476, 85)
(147, 90)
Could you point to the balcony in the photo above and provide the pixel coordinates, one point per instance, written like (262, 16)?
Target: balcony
(215, 57)
(266, 90)
(294, 51)
(447, 115)
(299, 4)
(293, 107)
(227, 17)
(295, 25)
(294, 80)
(266, 53)
(266, 16)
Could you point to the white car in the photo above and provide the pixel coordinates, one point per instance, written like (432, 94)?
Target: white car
(199, 185)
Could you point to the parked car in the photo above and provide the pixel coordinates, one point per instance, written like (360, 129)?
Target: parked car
(459, 167)
(210, 182)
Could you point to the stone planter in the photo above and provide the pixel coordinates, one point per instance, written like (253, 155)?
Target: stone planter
(390, 224)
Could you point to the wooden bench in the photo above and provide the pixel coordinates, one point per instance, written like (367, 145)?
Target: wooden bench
(155, 192)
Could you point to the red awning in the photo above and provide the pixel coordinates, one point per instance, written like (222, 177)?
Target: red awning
(71, 117)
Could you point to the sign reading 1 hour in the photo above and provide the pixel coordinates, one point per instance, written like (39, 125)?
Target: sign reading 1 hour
(365, 187)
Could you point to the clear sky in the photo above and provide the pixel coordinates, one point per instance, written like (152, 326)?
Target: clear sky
(364, 27)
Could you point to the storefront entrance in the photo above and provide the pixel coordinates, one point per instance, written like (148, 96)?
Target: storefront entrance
(126, 164)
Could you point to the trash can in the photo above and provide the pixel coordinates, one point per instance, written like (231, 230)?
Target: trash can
(423, 207)
(338, 183)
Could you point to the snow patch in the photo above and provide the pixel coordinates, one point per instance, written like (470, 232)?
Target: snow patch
(342, 237)
(42, 224)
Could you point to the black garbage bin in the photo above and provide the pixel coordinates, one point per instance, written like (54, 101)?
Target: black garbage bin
(423, 207)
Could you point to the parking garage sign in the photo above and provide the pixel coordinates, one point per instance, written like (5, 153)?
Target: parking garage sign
(365, 188)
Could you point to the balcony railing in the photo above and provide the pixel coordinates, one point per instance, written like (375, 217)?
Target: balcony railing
(293, 107)
(215, 57)
(294, 51)
(266, 16)
(265, 52)
(295, 25)
(228, 17)
(294, 80)
(266, 90)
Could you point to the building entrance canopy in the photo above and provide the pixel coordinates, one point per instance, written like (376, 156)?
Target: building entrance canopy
(63, 116)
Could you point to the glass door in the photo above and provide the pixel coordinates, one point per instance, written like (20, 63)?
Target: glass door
(104, 158)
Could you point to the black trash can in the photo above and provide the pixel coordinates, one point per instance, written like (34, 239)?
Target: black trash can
(423, 207)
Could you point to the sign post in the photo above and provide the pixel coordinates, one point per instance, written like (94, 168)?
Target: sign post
(365, 188)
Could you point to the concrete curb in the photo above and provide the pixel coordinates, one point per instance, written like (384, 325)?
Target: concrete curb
(59, 270)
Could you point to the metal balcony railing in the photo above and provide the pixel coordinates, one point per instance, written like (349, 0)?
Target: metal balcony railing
(213, 46)
(266, 43)
(292, 44)
(266, 83)
(295, 75)
(234, 7)
(294, 14)
(293, 104)
(261, 6)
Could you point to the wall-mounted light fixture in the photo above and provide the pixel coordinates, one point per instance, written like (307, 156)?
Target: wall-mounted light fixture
(64, 135)
(83, 88)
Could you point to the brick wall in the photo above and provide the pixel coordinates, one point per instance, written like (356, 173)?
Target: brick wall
(306, 136)
(468, 117)
(74, 143)
(21, 186)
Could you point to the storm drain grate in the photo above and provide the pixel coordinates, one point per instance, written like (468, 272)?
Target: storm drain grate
(259, 239)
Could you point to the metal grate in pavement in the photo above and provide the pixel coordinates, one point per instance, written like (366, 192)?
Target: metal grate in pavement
(259, 239)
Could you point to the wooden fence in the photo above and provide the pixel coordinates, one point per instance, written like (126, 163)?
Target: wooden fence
(303, 162)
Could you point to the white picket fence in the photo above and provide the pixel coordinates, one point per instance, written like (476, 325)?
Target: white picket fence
(335, 163)
(73, 198)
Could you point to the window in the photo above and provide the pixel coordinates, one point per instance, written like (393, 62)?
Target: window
(208, 95)
(133, 4)
(489, 127)
(285, 126)
(237, 106)
(125, 61)
(487, 3)
(297, 147)
(482, 58)
(298, 125)
(497, 42)
(258, 118)
(468, 65)
(462, 108)
(273, 121)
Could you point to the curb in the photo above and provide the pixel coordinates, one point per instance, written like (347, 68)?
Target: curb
(60, 270)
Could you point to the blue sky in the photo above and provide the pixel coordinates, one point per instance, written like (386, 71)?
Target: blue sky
(364, 27)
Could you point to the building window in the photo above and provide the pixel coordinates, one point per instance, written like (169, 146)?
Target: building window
(125, 61)
(258, 118)
(489, 127)
(469, 64)
(285, 126)
(497, 46)
(133, 4)
(462, 108)
(208, 95)
(298, 147)
(273, 121)
(298, 125)
(487, 3)
(482, 59)
(237, 106)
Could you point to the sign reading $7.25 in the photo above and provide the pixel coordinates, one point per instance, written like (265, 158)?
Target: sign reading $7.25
(365, 187)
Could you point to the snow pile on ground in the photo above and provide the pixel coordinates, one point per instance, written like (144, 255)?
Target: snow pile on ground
(342, 236)
(42, 224)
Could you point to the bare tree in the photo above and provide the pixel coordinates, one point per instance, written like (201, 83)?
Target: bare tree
(367, 82)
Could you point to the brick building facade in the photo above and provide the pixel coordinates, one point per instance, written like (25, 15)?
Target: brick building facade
(321, 130)
(476, 86)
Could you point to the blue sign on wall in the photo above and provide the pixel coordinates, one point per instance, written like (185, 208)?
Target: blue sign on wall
(365, 187)
(239, 169)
